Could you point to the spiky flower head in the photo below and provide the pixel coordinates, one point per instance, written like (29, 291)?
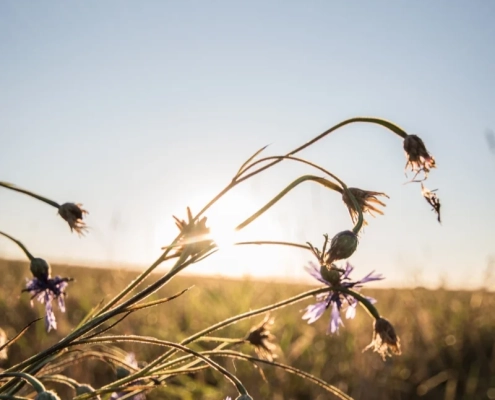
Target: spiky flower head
(432, 199)
(40, 268)
(385, 341)
(195, 234)
(342, 246)
(418, 158)
(45, 291)
(366, 199)
(337, 300)
(73, 213)
(47, 395)
(260, 337)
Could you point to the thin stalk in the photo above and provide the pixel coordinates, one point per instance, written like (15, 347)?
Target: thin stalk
(24, 191)
(262, 242)
(18, 243)
(35, 383)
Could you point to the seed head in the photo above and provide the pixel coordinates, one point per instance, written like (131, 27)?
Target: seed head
(40, 269)
(49, 395)
(365, 200)
(342, 246)
(418, 158)
(195, 234)
(260, 337)
(385, 341)
(73, 214)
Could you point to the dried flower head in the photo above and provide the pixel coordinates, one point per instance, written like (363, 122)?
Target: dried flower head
(342, 246)
(260, 337)
(418, 158)
(335, 277)
(196, 235)
(45, 291)
(385, 341)
(73, 214)
(432, 199)
(3, 342)
(365, 200)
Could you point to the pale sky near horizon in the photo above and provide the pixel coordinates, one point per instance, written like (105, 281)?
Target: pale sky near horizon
(139, 109)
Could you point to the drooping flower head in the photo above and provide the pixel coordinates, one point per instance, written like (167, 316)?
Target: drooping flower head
(73, 213)
(45, 290)
(418, 158)
(337, 301)
(260, 337)
(366, 200)
(385, 341)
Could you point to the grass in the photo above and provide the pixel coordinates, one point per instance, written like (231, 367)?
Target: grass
(447, 337)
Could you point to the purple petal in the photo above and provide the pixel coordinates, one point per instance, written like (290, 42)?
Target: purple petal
(348, 269)
(314, 311)
(335, 320)
(315, 272)
(371, 277)
(351, 309)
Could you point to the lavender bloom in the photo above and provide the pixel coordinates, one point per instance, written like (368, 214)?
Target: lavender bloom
(46, 290)
(337, 300)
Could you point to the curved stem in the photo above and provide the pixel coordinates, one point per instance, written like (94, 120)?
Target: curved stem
(363, 300)
(24, 191)
(279, 196)
(261, 242)
(386, 124)
(35, 383)
(126, 338)
(18, 243)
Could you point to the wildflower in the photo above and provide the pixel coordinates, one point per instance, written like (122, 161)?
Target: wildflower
(196, 235)
(385, 341)
(40, 268)
(418, 158)
(122, 372)
(432, 200)
(335, 277)
(259, 336)
(365, 200)
(73, 214)
(3, 343)
(45, 290)
(342, 246)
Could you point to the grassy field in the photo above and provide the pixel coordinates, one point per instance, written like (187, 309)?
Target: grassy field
(447, 338)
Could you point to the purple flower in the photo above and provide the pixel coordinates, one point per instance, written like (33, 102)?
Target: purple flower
(130, 359)
(337, 300)
(46, 290)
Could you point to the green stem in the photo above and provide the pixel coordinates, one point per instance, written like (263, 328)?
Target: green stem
(278, 197)
(24, 191)
(232, 378)
(18, 243)
(35, 383)
(261, 242)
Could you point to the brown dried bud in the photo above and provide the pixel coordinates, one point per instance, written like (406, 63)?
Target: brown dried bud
(385, 341)
(40, 269)
(365, 200)
(260, 337)
(196, 235)
(342, 246)
(432, 200)
(418, 158)
(73, 214)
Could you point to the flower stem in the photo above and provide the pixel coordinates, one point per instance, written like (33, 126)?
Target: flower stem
(35, 383)
(261, 242)
(18, 243)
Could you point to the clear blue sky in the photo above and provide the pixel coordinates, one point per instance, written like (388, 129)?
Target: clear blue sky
(138, 109)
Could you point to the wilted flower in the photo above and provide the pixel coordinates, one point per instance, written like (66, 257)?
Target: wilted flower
(385, 341)
(418, 158)
(45, 290)
(342, 246)
(335, 277)
(432, 200)
(73, 214)
(365, 200)
(260, 337)
(196, 235)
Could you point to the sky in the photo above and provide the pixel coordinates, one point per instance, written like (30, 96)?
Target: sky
(140, 109)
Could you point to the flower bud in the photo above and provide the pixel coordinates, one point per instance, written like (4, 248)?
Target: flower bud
(331, 275)
(122, 372)
(40, 269)
(49, 395)
(418, 158)
(342, 246)
(84, 388)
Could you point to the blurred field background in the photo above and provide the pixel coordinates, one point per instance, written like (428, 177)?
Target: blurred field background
(447, 337)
